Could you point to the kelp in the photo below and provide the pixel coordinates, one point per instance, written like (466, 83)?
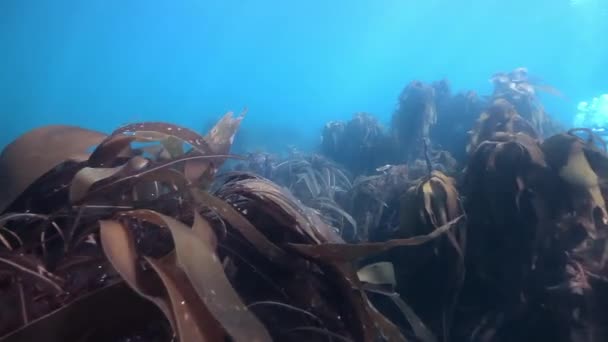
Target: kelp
(140, 232)
(372, 201)
(520, 89)
(107, 228)
(412, 121)
(23, 161)
(360, 144)
(316, 181)
(500, 116)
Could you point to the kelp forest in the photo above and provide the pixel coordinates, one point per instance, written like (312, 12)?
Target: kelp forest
(468, 218)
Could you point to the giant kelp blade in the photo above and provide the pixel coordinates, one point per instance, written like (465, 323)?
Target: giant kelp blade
(193, 320)
(204, 270)
(38, 151)
(352, 252)
(109, 310)
(119, 246)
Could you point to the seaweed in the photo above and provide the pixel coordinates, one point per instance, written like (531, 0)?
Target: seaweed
(360, 145)
(149, 234)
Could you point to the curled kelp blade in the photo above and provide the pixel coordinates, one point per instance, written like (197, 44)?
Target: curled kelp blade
(119, 247)
(111, 149)
(193, 320)
(172, 138)
(199, 261)
(171, 292)
(160, 131)
(38, 151)
(87, 177)
(131, 175)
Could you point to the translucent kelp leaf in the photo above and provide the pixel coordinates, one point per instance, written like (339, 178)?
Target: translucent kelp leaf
(194, 322)
(38, 151)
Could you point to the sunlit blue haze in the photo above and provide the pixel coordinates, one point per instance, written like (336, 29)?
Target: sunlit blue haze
(293, 64)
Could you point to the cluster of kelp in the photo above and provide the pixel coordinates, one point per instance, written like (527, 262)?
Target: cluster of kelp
(526, 259)
(138, 235)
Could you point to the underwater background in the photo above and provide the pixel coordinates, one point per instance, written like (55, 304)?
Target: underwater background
(294, 64)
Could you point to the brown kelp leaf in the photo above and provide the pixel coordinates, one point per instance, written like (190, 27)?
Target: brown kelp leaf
(95, 310)
(440, 198)
(38, 151)
(194, 322)
(351, 252)
(171, 137)
(202, 266)
(111, 148)
(283, 207)
(158, 131)
(88, 176)
(219, 141)
(242, 225)
(119, 246)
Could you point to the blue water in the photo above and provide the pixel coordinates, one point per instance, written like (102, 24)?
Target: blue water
(294, 64)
